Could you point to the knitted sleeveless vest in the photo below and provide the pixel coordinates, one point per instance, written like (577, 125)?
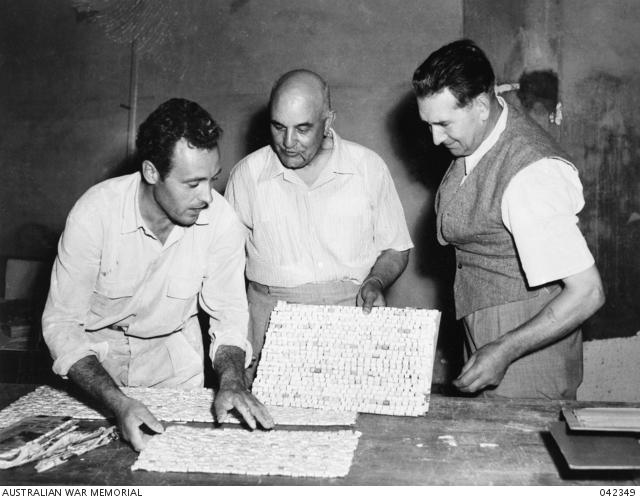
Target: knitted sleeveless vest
(469, 217)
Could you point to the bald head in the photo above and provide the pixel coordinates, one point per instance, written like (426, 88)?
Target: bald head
(301, 117)
(303, 83)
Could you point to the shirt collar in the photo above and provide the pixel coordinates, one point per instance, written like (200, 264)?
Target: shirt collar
(274, 167)
(203, 217)
(474, 158)
(131, 216)
(335, 162)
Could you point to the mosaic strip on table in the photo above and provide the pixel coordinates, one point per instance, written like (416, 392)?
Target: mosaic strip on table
(340, 358)
(169, 405)
(236, 451)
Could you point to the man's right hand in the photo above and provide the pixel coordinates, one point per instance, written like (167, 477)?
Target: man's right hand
(485, 368)
(132, 415)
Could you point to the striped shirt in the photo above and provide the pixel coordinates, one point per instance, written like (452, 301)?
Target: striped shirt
(333, 230)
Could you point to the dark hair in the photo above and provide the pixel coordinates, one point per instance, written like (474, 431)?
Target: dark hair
(170, 122)
(460, 66)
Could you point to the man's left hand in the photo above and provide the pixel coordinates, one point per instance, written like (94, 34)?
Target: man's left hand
(235, 395)
(370, 295)
(485, 368)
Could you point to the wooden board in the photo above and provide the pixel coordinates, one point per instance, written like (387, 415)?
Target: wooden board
(461, 441)
(603, 419)
(597, 451)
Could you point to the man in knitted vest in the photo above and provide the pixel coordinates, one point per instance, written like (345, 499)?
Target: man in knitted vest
(525, 278)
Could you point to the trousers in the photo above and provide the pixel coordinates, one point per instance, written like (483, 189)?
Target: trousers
(552, 372)
(262, 299)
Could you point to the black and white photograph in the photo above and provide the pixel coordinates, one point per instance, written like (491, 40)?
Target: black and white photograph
(319, 243)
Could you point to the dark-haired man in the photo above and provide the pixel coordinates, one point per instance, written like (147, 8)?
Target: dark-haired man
(325, 222)
(525, 279)
(137, 253)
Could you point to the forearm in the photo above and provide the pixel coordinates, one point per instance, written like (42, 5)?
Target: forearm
(89, 374)
(581, 296)
(389, 265)
(229, 366)
(91, 377)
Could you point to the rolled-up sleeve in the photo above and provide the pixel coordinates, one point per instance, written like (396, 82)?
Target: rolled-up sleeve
(223, 296)
(72, 283)
(540, 208)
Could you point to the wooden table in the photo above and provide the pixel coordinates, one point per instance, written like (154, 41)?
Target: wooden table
(492, 442)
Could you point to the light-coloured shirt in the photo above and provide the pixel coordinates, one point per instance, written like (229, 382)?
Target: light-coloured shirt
(333, 230)
(539, 207)
(112, 273)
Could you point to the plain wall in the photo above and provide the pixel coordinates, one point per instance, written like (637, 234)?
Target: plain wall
(64, 92)
(65, 87)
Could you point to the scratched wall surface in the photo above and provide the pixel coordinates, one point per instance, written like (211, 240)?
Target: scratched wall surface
(601, 62)
(595, 48)
(65, 77)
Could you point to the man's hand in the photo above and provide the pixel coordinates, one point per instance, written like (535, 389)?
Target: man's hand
(582, 295)
(485, 368)
(90, 375)
(388, 266)
(233, 392)
(235, 395)
(370, 295)
(131, 415)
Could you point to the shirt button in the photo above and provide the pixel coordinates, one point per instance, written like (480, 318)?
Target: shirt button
(459, 266)
(320, 265)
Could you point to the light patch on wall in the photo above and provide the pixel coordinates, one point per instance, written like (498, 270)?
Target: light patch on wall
(537, 53)
(611, 370)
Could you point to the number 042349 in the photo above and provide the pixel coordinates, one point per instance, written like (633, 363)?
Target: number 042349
(617, 492)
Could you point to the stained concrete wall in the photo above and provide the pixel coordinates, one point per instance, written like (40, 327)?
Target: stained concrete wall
(64, 87)
(611, 370)
(594, 47)
(61, 125)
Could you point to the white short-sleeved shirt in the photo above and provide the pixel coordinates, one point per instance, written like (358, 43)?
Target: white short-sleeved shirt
(539, 208)
(333, 230)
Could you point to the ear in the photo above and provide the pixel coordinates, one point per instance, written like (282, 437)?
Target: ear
(482, 103)
(330, 116)
(150, 172)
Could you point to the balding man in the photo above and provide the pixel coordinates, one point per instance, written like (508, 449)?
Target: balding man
(325, 222)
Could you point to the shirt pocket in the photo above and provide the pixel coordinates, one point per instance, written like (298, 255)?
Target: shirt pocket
(183, 291)
(110, 298)
(346, 229)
